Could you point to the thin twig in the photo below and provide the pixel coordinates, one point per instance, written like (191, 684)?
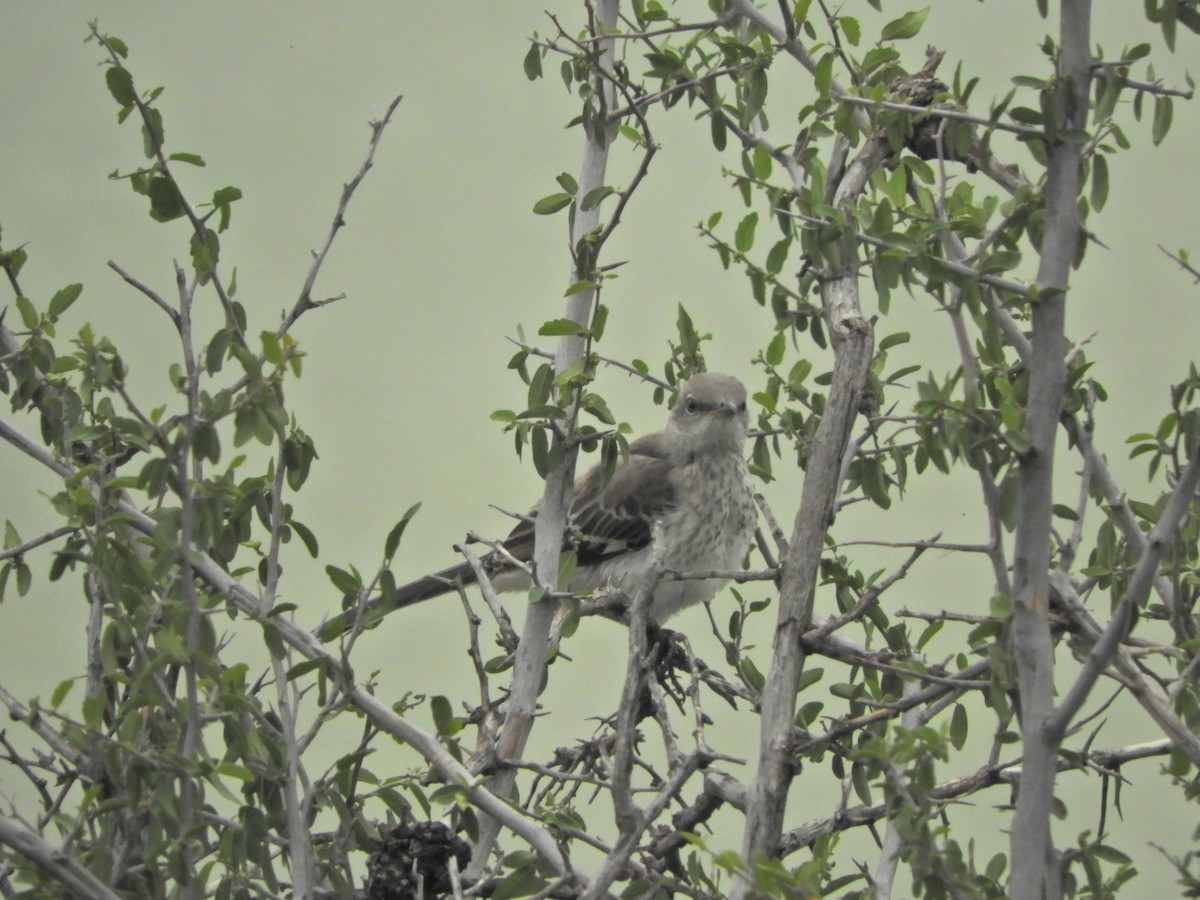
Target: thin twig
(305, 302)
(48, 537)
(162, 304)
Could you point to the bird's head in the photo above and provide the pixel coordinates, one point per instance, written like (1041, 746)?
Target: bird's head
(710, 415)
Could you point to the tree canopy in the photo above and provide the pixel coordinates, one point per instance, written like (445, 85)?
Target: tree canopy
(967, 617)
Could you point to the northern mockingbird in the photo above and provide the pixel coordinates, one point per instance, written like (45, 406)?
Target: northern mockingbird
(691, 477)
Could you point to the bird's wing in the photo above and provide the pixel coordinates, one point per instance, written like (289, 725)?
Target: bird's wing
(608, 519)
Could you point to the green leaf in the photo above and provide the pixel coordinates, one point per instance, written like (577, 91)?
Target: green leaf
(851, 29)
(206, 250)
(192, 159)
(521, 883)
(593, 198)
(762, 163)
(907, 26)
(958, 726)
(823, 74)
(443, 714)
(60, 692)
(165, 200)
(343, 580)
(599, 320)
(756, 93)
(900, 337)
(152, 133)
(877, 57)
(387, 591)
(118, 46)
(1099, 182)
(393, 539)
(272, 351)
(776, 348)
(306, 537)
(1017, 440)
(29, 316)
(753, 675)
(60, 302)
(222, 198)
(1065, 512)
(743, 238)
(214, 353)
(13, 260)
(1164, 109)
(567, 561)
(120, 85)
(595, 404)
(930, 631)
(559, 327)
(718, 130)
(533, 63)
(778, 256)
(552, 204)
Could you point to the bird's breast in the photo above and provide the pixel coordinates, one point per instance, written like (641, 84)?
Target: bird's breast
(712, 524)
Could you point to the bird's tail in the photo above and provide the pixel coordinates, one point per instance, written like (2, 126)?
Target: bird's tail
(425, 588)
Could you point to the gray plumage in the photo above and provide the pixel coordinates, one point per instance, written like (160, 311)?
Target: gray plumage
(691, 476)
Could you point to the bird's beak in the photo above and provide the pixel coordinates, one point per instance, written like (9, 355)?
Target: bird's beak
(726, 409)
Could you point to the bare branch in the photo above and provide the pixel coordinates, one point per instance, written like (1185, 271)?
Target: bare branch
(162, 304)
(305, 302)
(1183, 264)
(32, 543)
(55, 861)
(948, 791)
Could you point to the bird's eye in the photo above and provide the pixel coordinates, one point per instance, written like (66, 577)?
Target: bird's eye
(742, 406)
(691, 406)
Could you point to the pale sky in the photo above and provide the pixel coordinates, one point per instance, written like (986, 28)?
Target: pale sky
(442, 259)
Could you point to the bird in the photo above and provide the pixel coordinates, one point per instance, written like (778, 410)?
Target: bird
(690, 479)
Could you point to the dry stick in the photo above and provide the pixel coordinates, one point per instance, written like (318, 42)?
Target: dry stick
(636, 668)
(530, 660)
(40, 725)
(154, 296)
(54, 861)
(94, 684)
(631, 821)
(49, 537)
(889, 853)
(305, 302)
(300, 848)
(1120, 513)
(1035, 872)
(853, 342)
(1128, 674)
(986, 776)
(188, 472)
(508, 637)
(1164, 532)
(941, 112)
(952, 265)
